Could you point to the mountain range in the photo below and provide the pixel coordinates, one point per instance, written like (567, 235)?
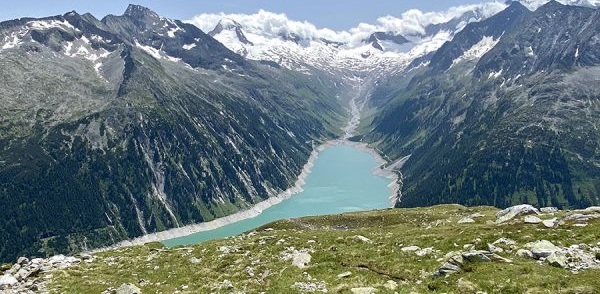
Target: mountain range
(133, 124)
(117, 127)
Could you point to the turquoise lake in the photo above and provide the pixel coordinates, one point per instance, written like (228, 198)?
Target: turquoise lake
(341, 180)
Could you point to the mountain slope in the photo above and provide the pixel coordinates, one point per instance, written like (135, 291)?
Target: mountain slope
(510, 124)
(135, 124)
(391, 251)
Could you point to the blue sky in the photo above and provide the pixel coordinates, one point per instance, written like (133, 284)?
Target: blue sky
(334, 14)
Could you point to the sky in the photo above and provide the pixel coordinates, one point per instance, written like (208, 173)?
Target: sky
(333, 14)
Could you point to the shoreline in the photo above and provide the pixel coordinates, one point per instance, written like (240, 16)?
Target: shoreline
(258, 208)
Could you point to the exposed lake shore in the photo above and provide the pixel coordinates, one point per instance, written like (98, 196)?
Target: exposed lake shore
(258, 208)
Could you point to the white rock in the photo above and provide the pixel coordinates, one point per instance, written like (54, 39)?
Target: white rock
(128, 289)
(524, 253)
(593, 209)
(543, 248)
(550, 223)
(505, 241)
(410, 248)
(391, 285)
(557, 259)
(301, 259)
(512, 212)
(363, 239)
(466, 220)
(549, 209)
(344, 275)
(425, 251)
(7, 281)
(495, 249)
(363, 290)
(532, 219)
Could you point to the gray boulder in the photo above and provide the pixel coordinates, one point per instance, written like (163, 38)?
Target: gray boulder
(558, 259)
(550, 223)
(7, 281)
(515, 211)
(543, 248)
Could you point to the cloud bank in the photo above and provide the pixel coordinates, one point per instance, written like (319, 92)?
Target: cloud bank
(410, 23)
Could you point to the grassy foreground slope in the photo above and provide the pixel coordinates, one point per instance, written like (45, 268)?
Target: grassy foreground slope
(348, 253)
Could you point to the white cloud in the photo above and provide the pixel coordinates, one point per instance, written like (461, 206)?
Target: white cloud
(411, 22)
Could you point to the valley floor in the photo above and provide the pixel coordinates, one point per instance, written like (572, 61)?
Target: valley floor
(442, 249)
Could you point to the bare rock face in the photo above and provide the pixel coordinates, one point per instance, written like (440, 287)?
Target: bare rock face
(515, 211)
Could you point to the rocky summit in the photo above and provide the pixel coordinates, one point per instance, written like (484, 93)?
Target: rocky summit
(421, 250)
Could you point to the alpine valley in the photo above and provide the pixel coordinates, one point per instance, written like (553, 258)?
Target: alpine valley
(119, 127)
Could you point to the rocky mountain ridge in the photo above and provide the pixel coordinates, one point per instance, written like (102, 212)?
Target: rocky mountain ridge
(133, 124)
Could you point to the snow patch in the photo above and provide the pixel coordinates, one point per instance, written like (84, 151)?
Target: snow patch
(478, 50)
(495, 74)
(156, 53)
(48, 24)
(189, 46)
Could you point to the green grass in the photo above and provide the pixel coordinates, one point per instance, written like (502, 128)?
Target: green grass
(334, 250)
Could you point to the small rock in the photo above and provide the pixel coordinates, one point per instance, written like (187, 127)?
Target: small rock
(557, 259)
(549, 209)
(466, 220)
(7, 281)
(495, 249)
(363, 239)
(476, 256)
(447, 269)
(128, 289)
(524, 253)
(425, 251)
(550, 223)
(543, 248)
(226, 284)
(593, 209)
(23, 260)
(410, 248)
(580, 217)
(195, 260)
(505, 241)
(311, 287)
(391, 285)
(301, 259)
(344, 275)
(532, 219)
(363, 290)
(512, 212)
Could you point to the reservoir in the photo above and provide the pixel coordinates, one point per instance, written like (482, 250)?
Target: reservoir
(341, 180)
